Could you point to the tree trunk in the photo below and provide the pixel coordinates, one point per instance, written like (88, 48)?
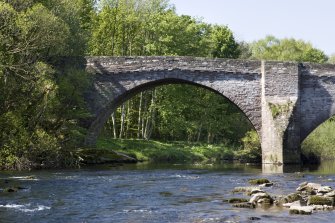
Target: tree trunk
(128, 119)
(209, 136)
(199, 132)
(114, 125)
(139, 117)
(145, 112)
(150, 117)
(123, 113)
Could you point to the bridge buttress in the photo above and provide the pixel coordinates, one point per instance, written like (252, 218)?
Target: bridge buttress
(280, 137)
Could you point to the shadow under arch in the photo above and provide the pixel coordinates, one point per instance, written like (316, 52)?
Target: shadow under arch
(317, 97)
(318, 143)
(103, 116)
(317, 102)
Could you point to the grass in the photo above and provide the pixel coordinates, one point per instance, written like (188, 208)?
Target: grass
(319, 145)
(177, 152)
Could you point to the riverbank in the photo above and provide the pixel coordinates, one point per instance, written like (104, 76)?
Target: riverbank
(171, 152)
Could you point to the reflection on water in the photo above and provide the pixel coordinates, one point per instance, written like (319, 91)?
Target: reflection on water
(152, 193)
(326, 167)
(271, 168)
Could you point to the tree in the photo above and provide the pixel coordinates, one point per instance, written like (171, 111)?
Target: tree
(271, 48)
(224, 44)
(39, 110)
(332, 59)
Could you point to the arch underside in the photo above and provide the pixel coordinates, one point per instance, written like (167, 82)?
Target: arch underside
(111, 90)
(314, 122)
(317, 102)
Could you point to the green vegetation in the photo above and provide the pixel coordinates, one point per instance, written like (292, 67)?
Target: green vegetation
(277, 109)
(40, 105)
(42, 109)
(179, 113)
(319, 145)
(331, 59)
(271, 48)
(320, 200)
(176, 152)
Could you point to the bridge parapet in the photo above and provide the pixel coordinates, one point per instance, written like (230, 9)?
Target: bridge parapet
(136, 64)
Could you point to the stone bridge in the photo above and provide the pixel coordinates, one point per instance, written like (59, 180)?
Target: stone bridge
(284, 101)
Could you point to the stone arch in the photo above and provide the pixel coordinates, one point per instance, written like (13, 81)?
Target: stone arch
(317, 96)
(110, 90)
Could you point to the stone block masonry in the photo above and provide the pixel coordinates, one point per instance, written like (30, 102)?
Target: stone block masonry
(283, 101)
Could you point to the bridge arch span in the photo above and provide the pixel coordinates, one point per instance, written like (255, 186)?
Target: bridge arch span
(284, 101)
(113, 88)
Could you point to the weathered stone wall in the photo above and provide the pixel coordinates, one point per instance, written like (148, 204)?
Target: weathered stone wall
(317, 95)
(280, 112)
(284, 101)
(118, 79)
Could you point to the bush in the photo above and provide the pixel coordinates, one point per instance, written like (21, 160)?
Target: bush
(251, 151)
(319, 145)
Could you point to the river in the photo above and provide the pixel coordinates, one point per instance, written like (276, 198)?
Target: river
(150, 193)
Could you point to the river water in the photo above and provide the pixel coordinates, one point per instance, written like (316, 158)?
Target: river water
(150, 193)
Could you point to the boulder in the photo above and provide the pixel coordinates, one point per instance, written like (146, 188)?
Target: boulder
(298, 207)
(309, 186)
(237, 200)
(320, 200)
(330, 194)
(255, 191)
(259, 181)
(287, 205)
(317, 207)
(261, 197)
(324, 189)
(305, 210)
(244, 205)
(266, 184)
(292, 197)
(244, 189)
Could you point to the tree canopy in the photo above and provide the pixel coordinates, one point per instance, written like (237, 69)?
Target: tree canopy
(271, 48)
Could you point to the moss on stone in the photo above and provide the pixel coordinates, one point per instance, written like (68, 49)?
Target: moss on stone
(244, 205)
(320, 200)
(244, 189)
(278, 109)
(259, 181)
(292, 197)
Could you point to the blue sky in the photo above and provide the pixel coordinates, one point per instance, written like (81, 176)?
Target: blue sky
(310, 20)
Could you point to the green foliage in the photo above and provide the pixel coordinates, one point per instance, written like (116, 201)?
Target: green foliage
(251, 148)
(152, 27)
(175, 152)
(245, 50)
(332, 59)
(224, 43)
(278, 109)
(182, 112)
(271, 48)
(320, 143)
(34, 130)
